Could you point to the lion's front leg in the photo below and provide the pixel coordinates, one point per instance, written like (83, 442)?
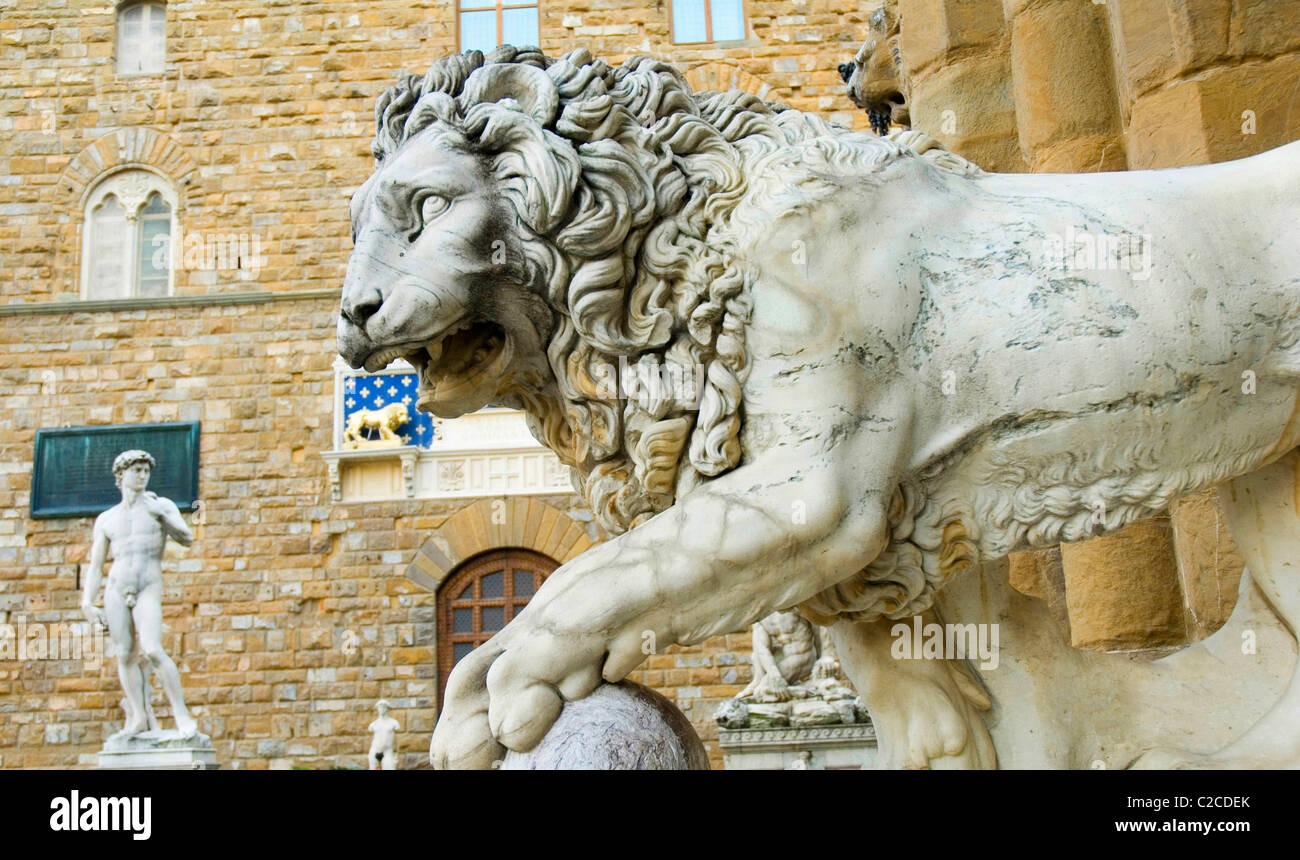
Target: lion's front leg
(756, 540)
(926, 712)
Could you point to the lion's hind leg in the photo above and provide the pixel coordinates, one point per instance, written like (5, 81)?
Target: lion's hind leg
(926, 712)
(1264, 518)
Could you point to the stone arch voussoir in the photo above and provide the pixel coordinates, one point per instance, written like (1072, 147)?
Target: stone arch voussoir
(131, 147)
(125, 148)
(497, 523)
(719, 76)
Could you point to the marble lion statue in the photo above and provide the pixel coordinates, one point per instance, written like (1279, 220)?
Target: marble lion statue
(383, 421)
(905, 367)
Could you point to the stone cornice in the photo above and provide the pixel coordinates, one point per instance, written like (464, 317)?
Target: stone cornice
(79, 306)
(803, 737)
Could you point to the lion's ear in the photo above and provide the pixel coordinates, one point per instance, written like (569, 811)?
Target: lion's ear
(529, 86)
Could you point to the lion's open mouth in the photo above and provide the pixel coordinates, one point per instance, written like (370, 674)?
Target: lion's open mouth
(455, 369)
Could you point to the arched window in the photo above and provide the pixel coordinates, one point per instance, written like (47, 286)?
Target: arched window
(141, 38)
(480, 597)
(126, 246)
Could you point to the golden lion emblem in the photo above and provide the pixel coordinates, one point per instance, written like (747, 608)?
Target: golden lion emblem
(384, 421)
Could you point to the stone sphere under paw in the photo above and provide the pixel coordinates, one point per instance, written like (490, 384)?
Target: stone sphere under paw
(621, 726)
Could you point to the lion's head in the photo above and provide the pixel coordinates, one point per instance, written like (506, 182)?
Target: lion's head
(875, 78)
(536, 228)
(395, 415)
(535, 225)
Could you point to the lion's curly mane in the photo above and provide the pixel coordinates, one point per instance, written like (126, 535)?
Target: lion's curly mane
(626, 185)
(623, 192)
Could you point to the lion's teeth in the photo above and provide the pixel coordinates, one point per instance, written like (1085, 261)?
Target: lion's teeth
(435, 351)
(381, 359)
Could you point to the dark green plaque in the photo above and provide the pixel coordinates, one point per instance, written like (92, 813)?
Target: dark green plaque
(73, 476)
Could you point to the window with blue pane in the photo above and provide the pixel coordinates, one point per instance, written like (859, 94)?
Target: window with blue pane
(484, 24)
(696, 21)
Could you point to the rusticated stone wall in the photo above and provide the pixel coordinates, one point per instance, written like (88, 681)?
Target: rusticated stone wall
(261, 121)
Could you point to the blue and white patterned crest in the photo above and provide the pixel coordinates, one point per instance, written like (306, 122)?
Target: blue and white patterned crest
(377, 390)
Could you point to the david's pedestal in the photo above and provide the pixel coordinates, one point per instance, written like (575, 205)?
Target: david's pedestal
(159, 750)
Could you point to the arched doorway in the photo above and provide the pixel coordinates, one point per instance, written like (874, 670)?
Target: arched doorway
(480, 597)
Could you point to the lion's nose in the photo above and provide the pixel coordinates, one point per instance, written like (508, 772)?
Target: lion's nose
(361, 304)
(846, 71)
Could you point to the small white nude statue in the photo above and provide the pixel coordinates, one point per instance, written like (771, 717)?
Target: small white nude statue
(136, 530)
(383, 746)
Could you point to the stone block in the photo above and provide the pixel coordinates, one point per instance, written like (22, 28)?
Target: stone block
(1265, 28)
(969, 108)
(1166, 129)
(933, 30)
(1200, 31)
(1269, 91)
(1085, 154)
(1208, 562)
(1146, 52)
(1062, 74)
(1225, 113)
(1123, 591)
(1040, 573)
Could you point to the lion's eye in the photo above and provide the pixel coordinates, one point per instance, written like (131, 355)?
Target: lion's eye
(432, 206)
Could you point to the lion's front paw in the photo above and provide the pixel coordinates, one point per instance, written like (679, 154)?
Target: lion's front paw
(508, 693)
(924, 725)
(461, 738)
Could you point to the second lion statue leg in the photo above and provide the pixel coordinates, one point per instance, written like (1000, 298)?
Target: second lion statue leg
(926, 712)
(1264, 516)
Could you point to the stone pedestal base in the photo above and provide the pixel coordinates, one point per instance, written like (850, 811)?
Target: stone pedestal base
(836, 747)
(159, 750)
